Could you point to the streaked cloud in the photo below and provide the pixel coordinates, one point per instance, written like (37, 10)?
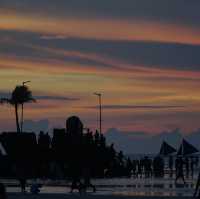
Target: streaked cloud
(143, 56)
(118, 107)
(98, 28)
(132, 55)
(175, 11)
(59, 98)
(43, 97)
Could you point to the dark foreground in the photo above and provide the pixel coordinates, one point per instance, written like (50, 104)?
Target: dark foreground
(88, 196)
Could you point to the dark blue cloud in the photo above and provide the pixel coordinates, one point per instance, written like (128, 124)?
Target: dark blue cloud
(138, 53)
(4, 94)
(174, 11)
(62, 98)
(119, 107)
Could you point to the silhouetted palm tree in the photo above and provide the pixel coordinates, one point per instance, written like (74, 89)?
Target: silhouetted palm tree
(20, 95)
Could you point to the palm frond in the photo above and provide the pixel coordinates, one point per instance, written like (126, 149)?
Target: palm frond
(21, 95)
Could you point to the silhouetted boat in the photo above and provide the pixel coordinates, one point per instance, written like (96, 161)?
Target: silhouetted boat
(186, 149)
(166, 149)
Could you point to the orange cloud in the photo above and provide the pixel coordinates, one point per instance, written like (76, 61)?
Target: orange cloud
(109, 29)
(121, 83)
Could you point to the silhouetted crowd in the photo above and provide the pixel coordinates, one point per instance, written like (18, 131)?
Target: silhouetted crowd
(76, 154)
(159, 166)
(73, 153)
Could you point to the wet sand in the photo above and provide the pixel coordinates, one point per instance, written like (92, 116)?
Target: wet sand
(111, 188)
(87, 196)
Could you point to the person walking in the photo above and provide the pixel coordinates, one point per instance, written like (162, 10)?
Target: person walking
(179, 170)
(197, 187)
(22, 182)
(171, 164)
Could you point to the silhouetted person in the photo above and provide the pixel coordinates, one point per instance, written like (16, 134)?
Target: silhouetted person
(139, 168)
(192, 166)
(158, 166)
(179, 170)
(97, 137)
(197, 187)
(74, 129)
(197, 162)
(3, 194)
(187, 167)
(147, 167)
(87, 180)
(129, 167)
(134, 168)
(103, 142)
(76, 184)
(74, 126)
(22, 182)
(35, 188)
(171, 164)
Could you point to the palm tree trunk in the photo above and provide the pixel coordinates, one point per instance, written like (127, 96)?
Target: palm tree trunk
(17, 118)
(22, 117)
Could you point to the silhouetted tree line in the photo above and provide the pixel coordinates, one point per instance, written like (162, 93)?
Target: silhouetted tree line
(68, 154)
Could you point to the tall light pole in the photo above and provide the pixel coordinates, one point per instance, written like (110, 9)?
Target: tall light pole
(100, 113)
(22, 116)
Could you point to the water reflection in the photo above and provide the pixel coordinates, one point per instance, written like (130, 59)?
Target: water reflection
(124, 187)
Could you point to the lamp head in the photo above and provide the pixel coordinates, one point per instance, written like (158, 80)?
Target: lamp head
(26, 82)
(98, 94)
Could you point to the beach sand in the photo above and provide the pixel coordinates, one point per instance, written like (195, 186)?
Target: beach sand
(87, 196)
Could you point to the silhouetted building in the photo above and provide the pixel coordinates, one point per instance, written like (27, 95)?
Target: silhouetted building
(69, 154)
(21, 151)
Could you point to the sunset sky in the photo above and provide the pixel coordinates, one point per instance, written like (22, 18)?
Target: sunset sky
(142, 55)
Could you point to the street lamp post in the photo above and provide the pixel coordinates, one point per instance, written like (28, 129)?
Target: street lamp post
(100, 111)
(22, 116)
